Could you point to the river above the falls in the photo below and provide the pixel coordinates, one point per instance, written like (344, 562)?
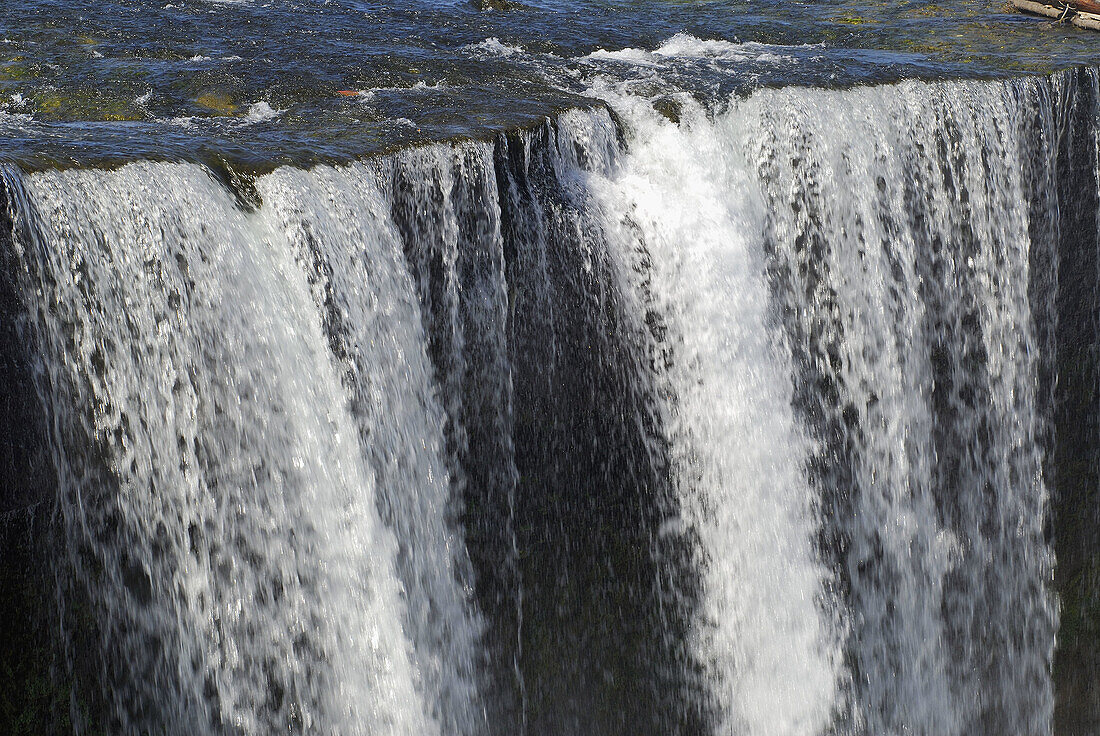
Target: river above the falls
(260, 84)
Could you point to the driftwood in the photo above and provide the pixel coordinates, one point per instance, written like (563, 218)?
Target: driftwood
(1081, 13)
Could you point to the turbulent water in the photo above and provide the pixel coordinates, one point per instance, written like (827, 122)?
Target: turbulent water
(774, 417)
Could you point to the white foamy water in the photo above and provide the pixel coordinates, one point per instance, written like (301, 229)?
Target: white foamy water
(823, 276)
(228, 505)
(494, 47)
(685, 198)
(259, 112)
(686, 46)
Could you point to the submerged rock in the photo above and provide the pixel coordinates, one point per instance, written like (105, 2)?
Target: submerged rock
(84, 105)
(217, 103)
(669, 108)
(496, 5)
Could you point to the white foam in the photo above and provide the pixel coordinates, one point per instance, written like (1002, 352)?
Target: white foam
(685, 197)
(259, 112)
(640, 57)
(21, 120)
(420, 86)
(494, 47)
(686, 46)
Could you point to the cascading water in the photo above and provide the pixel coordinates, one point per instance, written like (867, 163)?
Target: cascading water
(222, 522)
(739, 455)
(740, 424)
(373, 322)
(903, 249)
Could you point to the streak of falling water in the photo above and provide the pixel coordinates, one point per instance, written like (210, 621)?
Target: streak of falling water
(892, 227)
(684, 204)
(444, 204)
(224, 542)
(900, 231)
(340, 225)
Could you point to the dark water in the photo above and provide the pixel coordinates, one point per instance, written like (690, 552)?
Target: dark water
(559, 368)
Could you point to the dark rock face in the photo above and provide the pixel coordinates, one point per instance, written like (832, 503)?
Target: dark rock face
(33, 703)
(1074, 388)
(566, 470)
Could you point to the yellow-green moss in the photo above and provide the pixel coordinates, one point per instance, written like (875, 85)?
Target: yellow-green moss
(14, 71)
(84, 105)
(852, 19)
(216, 102)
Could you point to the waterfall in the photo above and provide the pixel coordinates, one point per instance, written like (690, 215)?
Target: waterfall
(372, 317)
(222, 518)
(759, 419)
(685, 200)
(860, 259)
(902, 248)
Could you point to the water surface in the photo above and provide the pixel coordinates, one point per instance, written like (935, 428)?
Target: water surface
(262, 83)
